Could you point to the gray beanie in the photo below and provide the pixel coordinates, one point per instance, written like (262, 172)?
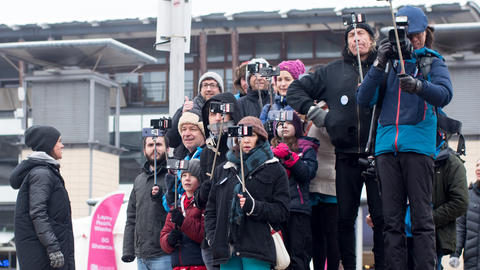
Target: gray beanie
(211, 75)
(194, 168)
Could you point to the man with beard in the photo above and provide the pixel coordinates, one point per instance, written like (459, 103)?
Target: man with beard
(146, 215)
(347, 124)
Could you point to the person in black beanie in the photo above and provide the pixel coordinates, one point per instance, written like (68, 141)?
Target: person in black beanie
(42, 204)
(347, 124)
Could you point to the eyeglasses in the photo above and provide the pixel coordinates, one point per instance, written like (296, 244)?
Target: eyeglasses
(211, 85)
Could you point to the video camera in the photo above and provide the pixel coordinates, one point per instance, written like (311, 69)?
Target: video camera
(240, 131)
(219, 107)
(353, 18)
(177, 164)
(157, 127)
(405, 44)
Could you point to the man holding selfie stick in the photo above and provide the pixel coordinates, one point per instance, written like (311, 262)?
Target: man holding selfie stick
(347, 125)
(146, 215)
(406, 134)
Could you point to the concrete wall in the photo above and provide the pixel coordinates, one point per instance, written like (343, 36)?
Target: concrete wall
(74, 167)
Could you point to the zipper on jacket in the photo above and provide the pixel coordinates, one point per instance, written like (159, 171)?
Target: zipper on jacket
(396, 120)
(358, 122)
(300, 193)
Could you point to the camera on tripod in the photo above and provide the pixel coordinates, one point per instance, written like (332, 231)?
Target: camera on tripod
(157, 127)
(240, 131)
(219, 107)
(405, 44)
(353, 18)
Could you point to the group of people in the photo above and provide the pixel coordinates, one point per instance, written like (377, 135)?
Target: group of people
(294, 167)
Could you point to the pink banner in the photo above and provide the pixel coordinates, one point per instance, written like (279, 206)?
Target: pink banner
(101, 249)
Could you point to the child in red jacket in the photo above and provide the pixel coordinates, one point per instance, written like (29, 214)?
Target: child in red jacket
(184, 229)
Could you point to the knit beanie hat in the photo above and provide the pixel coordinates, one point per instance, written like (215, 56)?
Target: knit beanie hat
(256, 124)
(190, 118)
(417, 20)
(294, 67)
(194, 168)
(41, 138)
(364, 26)
(297, 124)
(211, 75)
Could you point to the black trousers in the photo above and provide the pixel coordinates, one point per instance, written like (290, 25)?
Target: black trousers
(298, 240)
(349, 183)
(324, 236)
(407, 175)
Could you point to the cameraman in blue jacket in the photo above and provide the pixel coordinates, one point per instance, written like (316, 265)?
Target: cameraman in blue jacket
(405, 140)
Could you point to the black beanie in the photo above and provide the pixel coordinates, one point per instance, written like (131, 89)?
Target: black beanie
(364, 26)
(41, 138)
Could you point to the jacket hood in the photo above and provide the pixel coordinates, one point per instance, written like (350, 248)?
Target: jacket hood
(308, 142)
(224, 98)
(22, 170)
(160, 166)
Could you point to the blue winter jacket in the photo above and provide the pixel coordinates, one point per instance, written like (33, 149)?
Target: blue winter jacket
(408, 122)
(280, 103)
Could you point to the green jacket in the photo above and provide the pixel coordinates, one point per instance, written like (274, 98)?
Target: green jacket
(449, 197)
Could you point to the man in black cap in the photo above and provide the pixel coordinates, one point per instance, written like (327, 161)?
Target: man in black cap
(347, 125)
(43, 222)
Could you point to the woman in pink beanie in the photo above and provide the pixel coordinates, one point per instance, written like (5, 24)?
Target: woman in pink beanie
(290, 70)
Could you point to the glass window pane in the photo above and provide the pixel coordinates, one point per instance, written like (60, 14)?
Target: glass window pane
(131, 161)
(268, 47)
(154, 86)
(189, 83)
(8, 156)
(329, 44)
(299, 46)
(229, 80)
(131, 89)
(215, 49)
(245, 48)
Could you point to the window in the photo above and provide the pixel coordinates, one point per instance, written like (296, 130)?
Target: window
(268, 47)
(131, 89)
(329, 44)
(8, 157)
(131, 161)
(154, 86)
(299, 46)
(229, 80)
(245, 48)
(215, 49)
(189, 83)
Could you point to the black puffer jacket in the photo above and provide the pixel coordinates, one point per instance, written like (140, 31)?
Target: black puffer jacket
(208, 154)
(43, 222)
(468, 231)
(347, 123)
(145, 216)
(250, 103)
(268, 185)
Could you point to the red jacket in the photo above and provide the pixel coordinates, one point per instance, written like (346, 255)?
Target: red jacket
(193, 230)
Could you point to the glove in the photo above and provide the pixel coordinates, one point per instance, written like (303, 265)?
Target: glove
(56, 259)
(170, 194)
(128, 258)
(292, 160)
(454, 262)
(174, 238)
(177, 217)
(281, 151)
(317, 115)
(410, 84)
(157, 196)
(383, 52)
(248, 206)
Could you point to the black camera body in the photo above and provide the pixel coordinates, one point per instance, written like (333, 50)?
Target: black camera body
(219, 107)
(405, 44)
(369, 164)
(177, 164)
(353, 18)
(240, 131)
(157, 127)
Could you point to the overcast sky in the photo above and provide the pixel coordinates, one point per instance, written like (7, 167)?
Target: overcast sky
(18, 12)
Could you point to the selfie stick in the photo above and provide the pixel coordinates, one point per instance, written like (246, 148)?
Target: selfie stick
(155, 160)
(399, 48)
(218, 146)
(241, 168)
(354, 20)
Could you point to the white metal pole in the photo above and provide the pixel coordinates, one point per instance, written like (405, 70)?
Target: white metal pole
(359, 239)
(177, 58)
